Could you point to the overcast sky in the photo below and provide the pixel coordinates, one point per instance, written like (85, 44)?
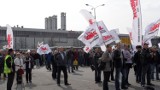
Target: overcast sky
(115, 14)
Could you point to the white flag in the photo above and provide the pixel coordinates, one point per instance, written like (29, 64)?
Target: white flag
(90, 37)
(131, 36)
(115, 35)
(107, 38)
(9, 37)
(87, 49)
(151, 31)
(137, 21)
(44, 49)
(88, 16)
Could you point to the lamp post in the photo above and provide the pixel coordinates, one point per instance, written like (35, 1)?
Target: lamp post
(94, 8)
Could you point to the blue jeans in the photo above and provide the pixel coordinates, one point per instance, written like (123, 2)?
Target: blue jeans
(117, 77)
(70, 65)
(153, 66)
(97, 74)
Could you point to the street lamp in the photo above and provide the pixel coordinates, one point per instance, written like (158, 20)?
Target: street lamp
(94, 8)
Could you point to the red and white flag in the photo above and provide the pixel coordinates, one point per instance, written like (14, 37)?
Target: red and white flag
(44, 49)
(87, 49)
(90, 37)
(151, 31)
(107, 38)
(137, 21)
(9, 37)
(131, 36)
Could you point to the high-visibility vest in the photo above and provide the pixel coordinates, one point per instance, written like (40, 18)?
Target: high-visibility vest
(6, 69)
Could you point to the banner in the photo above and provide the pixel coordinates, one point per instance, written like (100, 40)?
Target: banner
(39, 44)
(44, 49)
(9, 37)
(90, 37)
(115, 36)
(131, 36)
(151, 31)
(137, 21)
(107, 38)
(88, 16)
(87, 49)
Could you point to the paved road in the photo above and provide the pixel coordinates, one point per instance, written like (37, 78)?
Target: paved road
(81, 80)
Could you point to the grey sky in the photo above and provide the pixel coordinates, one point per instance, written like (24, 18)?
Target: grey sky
(115, 14)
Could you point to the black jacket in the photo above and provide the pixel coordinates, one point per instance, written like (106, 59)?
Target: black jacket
(96, 58)
(29, 60)
(146, 57)
(137, 58)
(117, 58)
(60, 60)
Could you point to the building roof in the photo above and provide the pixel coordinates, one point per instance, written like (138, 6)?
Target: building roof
(39, 30)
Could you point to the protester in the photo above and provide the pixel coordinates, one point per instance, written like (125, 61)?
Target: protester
(70, 59)
(18, 65)
(28, 67)
(48, 61)
(118, 60)
(54, 64)
(97, 55)
(75, 60)
(107, 58)
(61, 66)
(9, 68)
(128, 61)
(81, 57)
(37, 59)
(138, 64)
(155, 62)
(146, 66)
(112, 67)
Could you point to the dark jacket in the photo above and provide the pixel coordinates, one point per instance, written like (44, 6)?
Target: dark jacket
(96, 58)
(155, 58)
(146, 57)
(29, 61)
(137, 58)
(60, 60)
(117, 58)
(54, 60)
(70, 55)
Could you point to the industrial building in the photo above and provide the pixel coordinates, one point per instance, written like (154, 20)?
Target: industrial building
(27, 38)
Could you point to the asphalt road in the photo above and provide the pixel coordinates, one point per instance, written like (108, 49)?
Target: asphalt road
(83, 79)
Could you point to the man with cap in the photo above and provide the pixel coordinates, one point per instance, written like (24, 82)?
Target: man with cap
(146, 69)
(9, 68)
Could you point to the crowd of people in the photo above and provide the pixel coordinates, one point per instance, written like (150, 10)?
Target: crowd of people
(112, 63)
(145, 61)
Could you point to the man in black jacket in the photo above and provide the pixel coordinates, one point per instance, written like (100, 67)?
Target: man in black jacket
(54, 64)
(97, 55)
(146, 67)
(137, 61)
(70, 59)
(62, 66)
(118, 60)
